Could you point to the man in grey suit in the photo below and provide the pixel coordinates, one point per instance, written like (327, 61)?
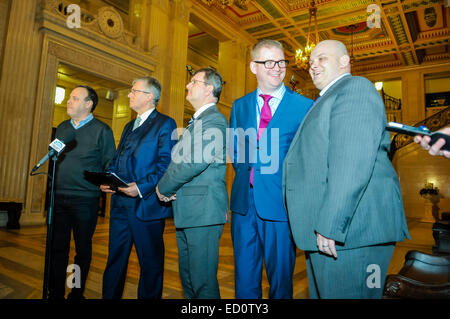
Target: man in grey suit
(341, 192)
(195, 178)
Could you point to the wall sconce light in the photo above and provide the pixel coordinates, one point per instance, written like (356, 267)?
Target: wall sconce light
(60, 94)
(137, 10)
(379, 86)
(109, 95)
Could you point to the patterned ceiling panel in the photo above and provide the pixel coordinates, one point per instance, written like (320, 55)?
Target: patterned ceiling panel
(398, 29)
(268, 6)
(393, 32)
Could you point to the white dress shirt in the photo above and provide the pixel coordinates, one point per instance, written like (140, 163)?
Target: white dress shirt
(322, 92)
(277, 96)
(145, 115)
(202, 109)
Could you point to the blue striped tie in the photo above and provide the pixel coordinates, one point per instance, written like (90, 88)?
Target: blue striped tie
(137, 121)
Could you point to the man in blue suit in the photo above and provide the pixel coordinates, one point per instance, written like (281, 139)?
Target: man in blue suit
(137, 216)
(263, 124)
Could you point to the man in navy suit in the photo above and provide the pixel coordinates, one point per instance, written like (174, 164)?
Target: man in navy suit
(137, 216)
(263, 124)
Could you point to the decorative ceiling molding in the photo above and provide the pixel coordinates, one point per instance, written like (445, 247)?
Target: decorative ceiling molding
(402, 31)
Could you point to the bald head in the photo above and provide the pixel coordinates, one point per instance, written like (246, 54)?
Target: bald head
(328, 61)
(335, 46)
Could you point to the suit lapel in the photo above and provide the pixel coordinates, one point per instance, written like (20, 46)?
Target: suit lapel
(143, 130)
(280, 109)
(190, 128)
(147, 123)
(209, 110)
(318, 102)
(251, 109)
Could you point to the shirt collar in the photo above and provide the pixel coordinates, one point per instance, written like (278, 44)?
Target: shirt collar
(277, 94)
(89, 118)
(322, 92)
(202, 109)
(145, 115)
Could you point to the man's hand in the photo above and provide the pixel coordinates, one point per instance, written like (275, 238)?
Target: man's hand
(326, 245)
(106, 189)
(434, 149)
(131, 190)
(164, 198)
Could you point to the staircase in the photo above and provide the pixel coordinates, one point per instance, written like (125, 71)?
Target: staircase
(433, 123)
(393, 107)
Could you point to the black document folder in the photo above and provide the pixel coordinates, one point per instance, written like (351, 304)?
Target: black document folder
(106, 178)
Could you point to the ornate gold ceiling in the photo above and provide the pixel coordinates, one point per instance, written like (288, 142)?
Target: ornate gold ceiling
(389, 33)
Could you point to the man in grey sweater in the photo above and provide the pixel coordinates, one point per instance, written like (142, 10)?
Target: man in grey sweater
(76, 199)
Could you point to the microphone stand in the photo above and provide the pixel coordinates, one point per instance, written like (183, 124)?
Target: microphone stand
(48, 245)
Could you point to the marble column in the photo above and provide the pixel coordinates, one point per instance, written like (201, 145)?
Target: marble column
(175, 64)
(18, 80)
(413, 97)
(233, 66)
(162, 28)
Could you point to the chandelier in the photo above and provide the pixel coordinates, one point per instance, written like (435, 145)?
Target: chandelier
(227, 3)
(352, 27)
(302, 56)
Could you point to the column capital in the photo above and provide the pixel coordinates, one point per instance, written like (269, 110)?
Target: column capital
(162, 4)
(182, 9)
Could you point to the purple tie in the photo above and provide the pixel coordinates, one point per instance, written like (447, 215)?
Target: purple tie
(266, 116)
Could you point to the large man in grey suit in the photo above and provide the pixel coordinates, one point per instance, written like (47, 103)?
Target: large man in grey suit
(196, 179)
(341, 192)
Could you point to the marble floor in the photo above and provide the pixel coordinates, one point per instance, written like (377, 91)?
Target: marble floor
(22, 262)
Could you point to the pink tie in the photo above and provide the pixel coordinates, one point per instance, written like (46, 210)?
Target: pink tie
(266, 116)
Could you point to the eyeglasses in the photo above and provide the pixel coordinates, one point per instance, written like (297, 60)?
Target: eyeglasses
(270, 64)
(193, 81)
(133, 91)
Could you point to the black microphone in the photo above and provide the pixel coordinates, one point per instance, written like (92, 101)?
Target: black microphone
(56, 147)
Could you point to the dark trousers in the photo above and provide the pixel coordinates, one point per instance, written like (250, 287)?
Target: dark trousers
(256, 240)
(198, 259)
(77, 214)
(357, 273)
(147, 236)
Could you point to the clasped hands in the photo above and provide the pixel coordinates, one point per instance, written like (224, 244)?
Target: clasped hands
(165, 198)
(132, 191)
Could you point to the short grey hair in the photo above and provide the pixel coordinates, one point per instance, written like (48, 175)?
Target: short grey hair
(152, 85)
(265, 43)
